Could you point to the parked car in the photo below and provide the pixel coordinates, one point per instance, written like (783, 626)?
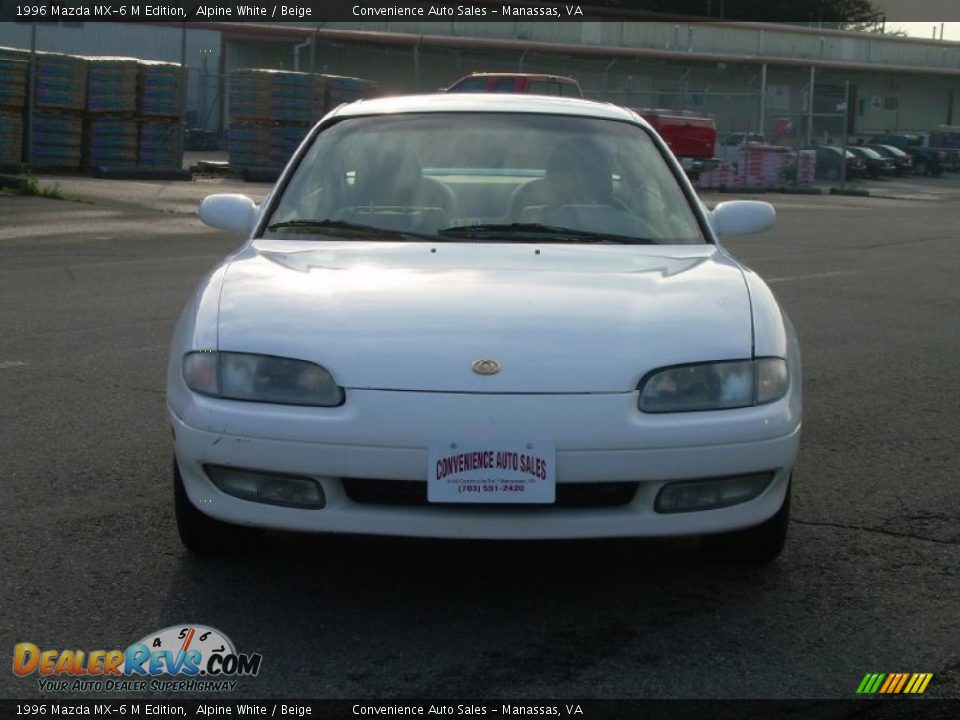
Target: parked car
(524, 83)
(947, 138)
(494, 317)
(903, 162)
(828, 163)
(876, 164)
(926, 160)
(729, 147)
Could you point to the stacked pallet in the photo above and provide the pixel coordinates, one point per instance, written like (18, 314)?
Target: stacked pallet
(13, 82)
(61, 82)
(60, 97)
(159, 147)
(110, 129)
(272, 110)
(110, 141)
(723, 175)
(11, 137)
(111, 85)
(766, 166)
(159, 98)
(13, 90)
(159, 88)
(763, 165)
(56, 139)
(806, 167)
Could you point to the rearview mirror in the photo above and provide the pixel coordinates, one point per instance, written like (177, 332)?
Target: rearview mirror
(229, 211)
(742, 217)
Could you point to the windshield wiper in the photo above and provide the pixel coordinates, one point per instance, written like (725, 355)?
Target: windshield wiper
(343, 228)
(537, 232)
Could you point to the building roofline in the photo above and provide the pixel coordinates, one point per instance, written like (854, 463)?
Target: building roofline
(377, 37)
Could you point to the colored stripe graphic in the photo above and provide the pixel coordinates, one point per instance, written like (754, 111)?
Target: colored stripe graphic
(894, 683)
(903, 679)
(870, 683)
(922, 685)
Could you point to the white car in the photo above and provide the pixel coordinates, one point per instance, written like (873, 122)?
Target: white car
(484, 316)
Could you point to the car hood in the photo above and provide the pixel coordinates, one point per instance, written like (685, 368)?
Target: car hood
(415, 316)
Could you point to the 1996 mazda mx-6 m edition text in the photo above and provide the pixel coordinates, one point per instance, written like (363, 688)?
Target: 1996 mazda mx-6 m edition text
(484, 316)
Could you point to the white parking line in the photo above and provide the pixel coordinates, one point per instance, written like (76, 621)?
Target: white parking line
(11, 364)
(812, 276)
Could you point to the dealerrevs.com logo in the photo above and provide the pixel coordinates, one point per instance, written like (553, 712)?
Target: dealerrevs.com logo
(187, 658)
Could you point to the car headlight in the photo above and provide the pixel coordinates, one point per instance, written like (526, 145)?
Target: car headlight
(714, 386)
(260, 378)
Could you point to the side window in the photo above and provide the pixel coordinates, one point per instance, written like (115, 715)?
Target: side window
(570, 90)
(544, 87)
(470, 85)
(505, 85)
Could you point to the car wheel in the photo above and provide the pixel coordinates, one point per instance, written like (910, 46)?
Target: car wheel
(756, 545)
(203, 535)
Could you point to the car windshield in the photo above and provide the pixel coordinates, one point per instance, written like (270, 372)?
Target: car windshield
(485, 177)
(895, 151)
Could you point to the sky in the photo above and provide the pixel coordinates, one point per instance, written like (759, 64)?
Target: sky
(951, 30)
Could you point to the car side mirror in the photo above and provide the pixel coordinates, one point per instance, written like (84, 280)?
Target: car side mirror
(742, 217)
(229, 211)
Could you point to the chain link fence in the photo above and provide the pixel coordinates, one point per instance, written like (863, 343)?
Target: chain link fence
(792, 108)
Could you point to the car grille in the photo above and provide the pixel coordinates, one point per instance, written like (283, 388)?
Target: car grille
(413, 493)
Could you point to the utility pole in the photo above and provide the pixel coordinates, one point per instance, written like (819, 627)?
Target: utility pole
(763, 98)
(843, 148)
(184, 79)
(31, 91)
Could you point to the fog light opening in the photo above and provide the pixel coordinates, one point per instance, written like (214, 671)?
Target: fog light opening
(267, 488)
(710, 494)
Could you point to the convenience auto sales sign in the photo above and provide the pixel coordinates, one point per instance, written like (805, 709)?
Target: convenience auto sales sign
(491, 472)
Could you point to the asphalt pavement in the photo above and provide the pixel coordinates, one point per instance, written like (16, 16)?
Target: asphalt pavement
(89, 293)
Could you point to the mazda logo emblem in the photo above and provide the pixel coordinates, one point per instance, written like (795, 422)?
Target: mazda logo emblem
(485, 367)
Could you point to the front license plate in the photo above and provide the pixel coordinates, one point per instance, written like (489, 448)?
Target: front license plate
(492, 472)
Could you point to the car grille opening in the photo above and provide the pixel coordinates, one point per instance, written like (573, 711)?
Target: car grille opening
(413, 493)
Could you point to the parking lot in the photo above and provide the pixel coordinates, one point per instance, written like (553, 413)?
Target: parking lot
(89, 293)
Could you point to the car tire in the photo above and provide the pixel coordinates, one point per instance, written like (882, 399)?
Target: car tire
(201, 534)
(757, 545)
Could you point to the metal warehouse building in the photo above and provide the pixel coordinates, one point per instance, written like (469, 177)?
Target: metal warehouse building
(787, 81)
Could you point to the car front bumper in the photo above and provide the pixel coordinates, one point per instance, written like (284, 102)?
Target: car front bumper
(600, 438)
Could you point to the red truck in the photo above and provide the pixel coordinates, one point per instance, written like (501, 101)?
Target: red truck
(689, 134)
(528, 83)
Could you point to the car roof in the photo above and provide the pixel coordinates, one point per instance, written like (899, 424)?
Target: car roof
(489, 102)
